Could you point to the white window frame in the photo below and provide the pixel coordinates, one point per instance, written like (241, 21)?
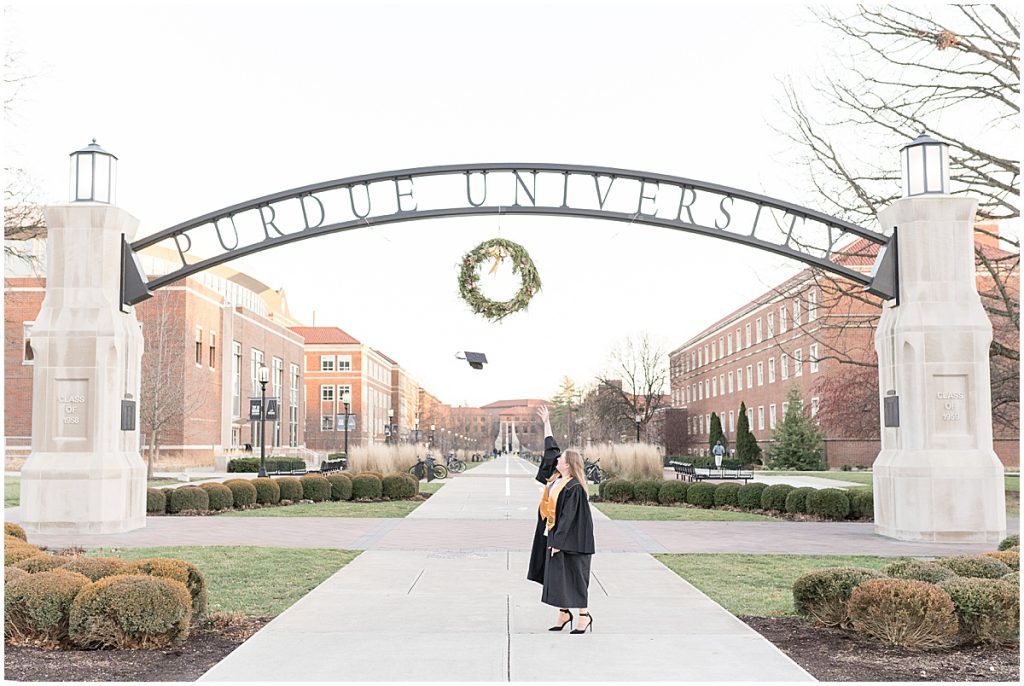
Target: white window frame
(749, 340)
(760, 417)
(771, 370)
(344, 363)
(213, 350)
(812, 305)
(784, 364)
(739, 379)
(327, 393)
(815, 405)
(760, 373)
(730, 382)
(700, 391)
(28, 355)
(798, 362)
(750, 376)
(796, 311)
(721, 347)
(772, 417)
(785, 409)
(236, 379)
(739, 340)
(728, 347)
(327, 363)
(759, 329)
(812, 357)
(199, 346)
(770, 319)
(783, 319)
(721, 384)
(714, 386)
(732, 423)
(256, 358)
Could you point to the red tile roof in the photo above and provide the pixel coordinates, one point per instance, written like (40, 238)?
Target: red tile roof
(323, 334)
(515, 403)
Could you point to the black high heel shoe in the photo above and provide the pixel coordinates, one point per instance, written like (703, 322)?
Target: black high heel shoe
(590, 625)
(568, 621)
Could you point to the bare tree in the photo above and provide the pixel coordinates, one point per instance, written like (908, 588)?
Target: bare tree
(634, 383)
(166, 396)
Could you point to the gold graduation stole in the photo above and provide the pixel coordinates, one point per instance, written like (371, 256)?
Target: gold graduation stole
(549, 501)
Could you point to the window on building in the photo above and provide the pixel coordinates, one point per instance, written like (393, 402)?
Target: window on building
(714, 387)
(728, 344)
(760, 417)
(771, 324)
(345, 363)
(732, 423)
(693, 360)
(750, 376)
(785, 366)
(327, 422)
(749, 342)
(739, 341)
(707, 422)
(812, 356)
(721, 384)
(721, 347)
(812, 305)
(327, 393)
(760, 332)
(199, 346)
(771, 417)
(293, 406)
(255, 362)
(700, 357)
(707, 388)
(707, 357)
(714, 352)
(27, 356)
(327, 363)
(785, 409)
(277, 380)
(687, 394)
(771, 370)
(236, 379)
(730, 382)
(760, 373)
(814, 406)
(783, 313)
(798, 362)
(213, 350)
(796, 311)
(700, 391)
(750, 417)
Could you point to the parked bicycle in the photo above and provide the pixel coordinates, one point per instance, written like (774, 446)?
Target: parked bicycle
(593, 471)
(419, 470)
(456, 465)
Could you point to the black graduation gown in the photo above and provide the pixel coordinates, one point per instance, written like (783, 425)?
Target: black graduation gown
(567, 574)
(544, 472)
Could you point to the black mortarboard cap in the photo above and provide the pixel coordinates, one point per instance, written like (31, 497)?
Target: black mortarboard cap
(476, 360)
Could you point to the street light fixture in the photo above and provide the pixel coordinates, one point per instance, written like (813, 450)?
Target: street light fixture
(391, 425)
(263, 377)
(93, 175)
(346, 400)
(925, 167)
(639, 417)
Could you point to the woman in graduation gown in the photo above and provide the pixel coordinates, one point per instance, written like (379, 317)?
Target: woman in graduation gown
(563, 542)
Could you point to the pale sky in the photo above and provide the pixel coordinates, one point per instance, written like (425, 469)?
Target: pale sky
(210, 104)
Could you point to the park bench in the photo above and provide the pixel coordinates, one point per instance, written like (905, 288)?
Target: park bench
(702, 473)
(328, 466)
(684, 470)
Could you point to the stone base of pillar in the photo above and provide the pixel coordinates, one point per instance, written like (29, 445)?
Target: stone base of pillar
(83, 493)
(941, 496)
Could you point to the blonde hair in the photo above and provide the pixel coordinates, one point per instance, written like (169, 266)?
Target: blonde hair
(574, 458)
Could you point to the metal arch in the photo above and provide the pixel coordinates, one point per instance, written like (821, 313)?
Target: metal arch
(135, 288)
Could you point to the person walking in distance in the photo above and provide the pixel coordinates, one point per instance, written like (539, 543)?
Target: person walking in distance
(719, 451)
(563, 542)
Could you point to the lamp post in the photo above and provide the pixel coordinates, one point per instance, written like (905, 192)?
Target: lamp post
(264, 377)
(416, 431)
(346, 400)
(432, 427)
(639, 417)
(391, 425)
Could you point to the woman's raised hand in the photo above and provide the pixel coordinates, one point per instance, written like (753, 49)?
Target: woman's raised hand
(542, 412)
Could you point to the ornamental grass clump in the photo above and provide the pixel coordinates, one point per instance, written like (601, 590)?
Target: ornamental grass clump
(988, 609)
(671, 492)
(975, 566)
(96, 567)
(796, 500)
(397, 487)
(315, 487)
(749, 496)
(646, 490)
(631, 461)
(918, 570)
(727, 494)
(187, 498)
(341, 486)
(12, 529)
(701, 494)
(221, 497)
(904, 612)
(1010, 558)
(37, 606)
(267, 490)
(366, 486)
(43, 562)
(179, 570)
(1009, 542)
(821, 595)
(618, 491)
(131, 611)
(290, 487)
(774, 497)
(156, 501)
(243, 493)
(829, 503)
(16, 550)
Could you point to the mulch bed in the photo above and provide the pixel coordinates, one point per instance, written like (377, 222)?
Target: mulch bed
(836, 655)
(207, 644)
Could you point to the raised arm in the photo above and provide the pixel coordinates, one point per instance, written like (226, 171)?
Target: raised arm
(545, 416)
(551, 449)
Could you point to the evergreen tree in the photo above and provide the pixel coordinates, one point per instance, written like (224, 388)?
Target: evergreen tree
(747, 450)
(798, 442)
(715, 432)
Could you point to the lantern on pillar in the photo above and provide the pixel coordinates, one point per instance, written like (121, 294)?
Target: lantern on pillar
(93, 175)
(925, 167)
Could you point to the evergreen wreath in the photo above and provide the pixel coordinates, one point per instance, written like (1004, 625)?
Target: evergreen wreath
(469, 278)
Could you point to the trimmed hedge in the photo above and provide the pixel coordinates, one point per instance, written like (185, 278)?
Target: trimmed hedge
(37, 606)
(988, 609)
(822, 594)
(251, 465)
(179, 570)
(862, 503)
(243, 493)
(221, 497)
(830, 503)
(726, 494)
(341, 486)
(187, 498)
(647, 490)
(11, 573)
(290, 487)
(396, 487)
(902, 612)
(413, 481)
(267, 490)
(708, 462)
(701, 494)
(1012, 577)
(618, 490)
(43, 562)
(796, 500)
(749, 496)
(156, 501)
(1009, 542)
(95, 568)
(918, 570)
(366, 486)
(774, 497)
(1010, 558)
(105, 614)
(315, 487)
(671, 492)
(12, 529)
(975, 566)
(16, 550)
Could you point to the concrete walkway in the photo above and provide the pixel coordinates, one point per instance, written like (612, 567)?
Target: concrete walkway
(416, 607)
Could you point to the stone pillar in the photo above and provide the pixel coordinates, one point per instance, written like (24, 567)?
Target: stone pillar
(84, 474)
(937, 477)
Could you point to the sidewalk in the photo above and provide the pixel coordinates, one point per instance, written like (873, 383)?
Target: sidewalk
(458, 608)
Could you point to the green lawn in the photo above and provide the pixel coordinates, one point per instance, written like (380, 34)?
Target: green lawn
(676, 513)
(391, 508)
(12, 491)
(758, 585)
(249, 580)
(432, 487)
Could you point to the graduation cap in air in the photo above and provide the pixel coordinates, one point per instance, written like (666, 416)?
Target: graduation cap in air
(476, 360)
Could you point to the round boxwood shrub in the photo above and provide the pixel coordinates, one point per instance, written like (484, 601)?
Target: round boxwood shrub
(16, 550)
(156, 501)
(290, 487)
(701, 494)
(829, 503)
(1012, 577)
(379, 475)
(396, 487)
(774, 497)
(1010, 558)
(12, 529)
(315, 487)
(903, 612)
(726, 494)
(41, 563)
(413, 481)
(37, 606)
(821, 595)
(671, 492)
(267, 490)
(988, 609)
(11, 573)
(106, 613)
(96, 567)
(749, 496)
(243, 493)
(618, 491)
(179, 570)
(1005, 544)
(975, 566)
(221, 497)
(646, 490)
(862, 503)
(341, 486)
(917, 570)
(796, 500)
(601, 487)
(366, 487)
(187, 498)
